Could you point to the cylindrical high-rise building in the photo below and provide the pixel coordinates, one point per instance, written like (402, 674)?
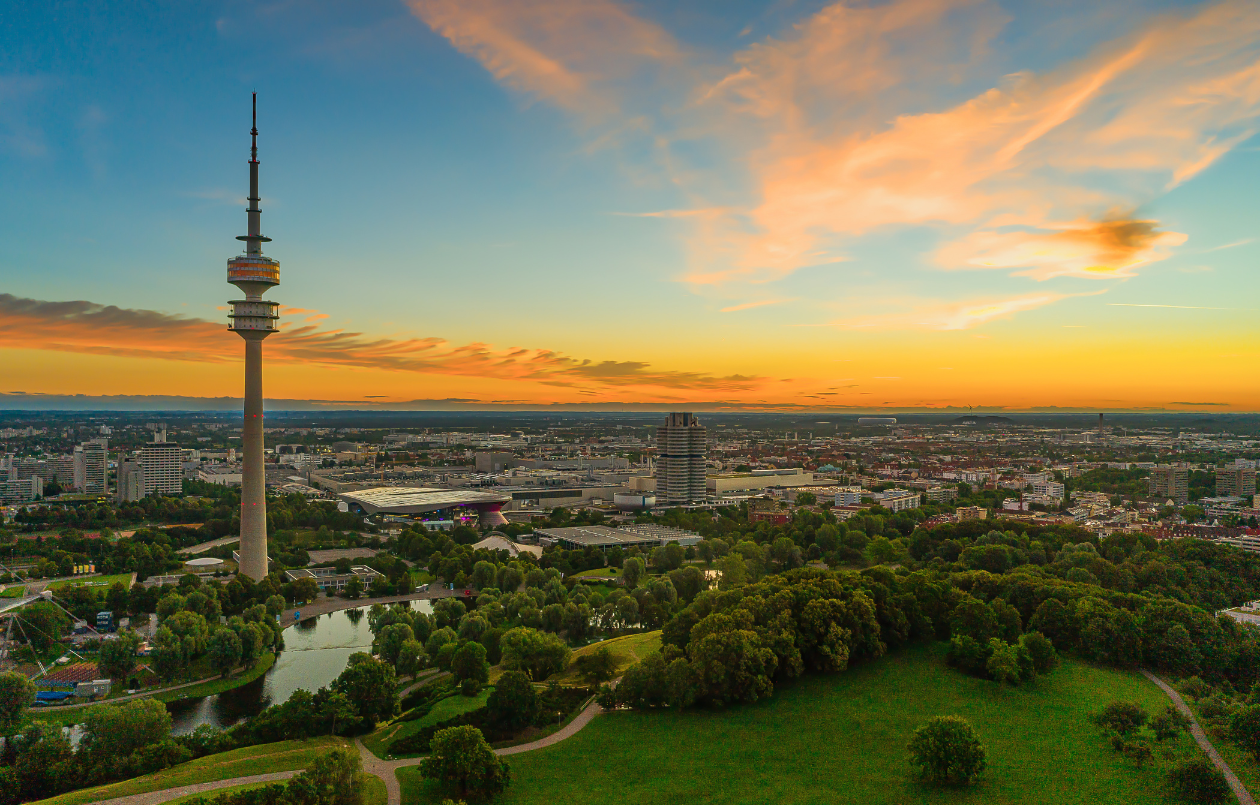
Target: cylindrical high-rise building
(682, 443)
(253, 319)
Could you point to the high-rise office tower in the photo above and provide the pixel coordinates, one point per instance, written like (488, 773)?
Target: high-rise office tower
(91, 466)
(1170, 481)
(1239, 482)
(253, 319)
(129, 485)
(681, 444)
(162, 465)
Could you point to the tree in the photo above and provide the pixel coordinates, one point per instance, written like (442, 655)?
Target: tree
(353, 589)
(333, 779)
(338, 708)
(304, 591)
(597, 666)
(16, 694)
(115, 731)
(513, 703)
(1198, 781)
(389, 641)
(225, 650)
(459, 757)
(632, 572)
(43, 623)
(1122, 718)
(1041, 650)
(1003, 662)
(1244, 727)
(537, 653)
(371, 685)
(169, 657)
(117, 657)
(411, 658)
(947, 749)
(975, 619)
(469, 662)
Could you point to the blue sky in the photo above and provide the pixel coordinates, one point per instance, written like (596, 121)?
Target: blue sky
(674, 191)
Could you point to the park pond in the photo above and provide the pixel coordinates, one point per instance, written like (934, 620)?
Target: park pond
(315, 652)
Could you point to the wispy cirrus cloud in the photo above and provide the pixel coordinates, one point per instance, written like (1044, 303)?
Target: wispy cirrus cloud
(576, 54)
(963, 315)
(90, 328)
(840, 127)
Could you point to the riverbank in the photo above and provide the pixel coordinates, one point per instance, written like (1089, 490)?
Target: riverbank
(71, 714)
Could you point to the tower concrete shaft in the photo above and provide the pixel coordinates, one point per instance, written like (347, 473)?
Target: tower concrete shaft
(253, 319)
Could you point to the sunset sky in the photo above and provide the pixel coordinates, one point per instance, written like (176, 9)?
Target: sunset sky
(715, 204)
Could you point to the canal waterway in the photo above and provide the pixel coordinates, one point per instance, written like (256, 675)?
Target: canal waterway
(315, 652)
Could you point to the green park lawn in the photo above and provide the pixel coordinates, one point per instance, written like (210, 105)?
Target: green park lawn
(842, 739)
(263, 759)
(379, 741)
(626, 650)
(103, 582)
(601, 572)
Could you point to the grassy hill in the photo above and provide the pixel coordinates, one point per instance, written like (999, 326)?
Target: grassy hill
(842, 739)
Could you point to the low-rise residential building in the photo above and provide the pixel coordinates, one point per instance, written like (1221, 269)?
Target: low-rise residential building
(964, 513)
(849, 495)
(896, 500)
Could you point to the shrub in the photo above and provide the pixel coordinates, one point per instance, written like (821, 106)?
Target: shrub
(1041, 650)
(947, 749)
(1244, 728)
(1196, 688)
(1198, 781)
(1122, 718)
(1169, 724)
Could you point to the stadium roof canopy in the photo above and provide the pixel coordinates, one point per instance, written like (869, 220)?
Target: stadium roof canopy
(419, 500)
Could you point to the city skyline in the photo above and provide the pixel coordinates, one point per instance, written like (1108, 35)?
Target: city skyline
(904, 205)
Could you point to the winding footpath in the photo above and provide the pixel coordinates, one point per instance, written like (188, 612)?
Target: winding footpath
(384, 769)
(1235, 785)
(387, 770)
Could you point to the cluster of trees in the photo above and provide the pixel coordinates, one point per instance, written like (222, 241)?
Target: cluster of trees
(333, 779)
(467, 643)
(733, 643)
(117, 742)
(189, 629)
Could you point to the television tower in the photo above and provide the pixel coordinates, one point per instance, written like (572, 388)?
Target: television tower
(253, 319)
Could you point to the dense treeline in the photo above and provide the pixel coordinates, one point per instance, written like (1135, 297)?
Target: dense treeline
(1124, 601)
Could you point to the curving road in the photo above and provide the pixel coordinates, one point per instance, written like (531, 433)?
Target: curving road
(1235, 785)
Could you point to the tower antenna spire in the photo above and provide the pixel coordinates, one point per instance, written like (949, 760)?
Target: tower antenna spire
(253, 134)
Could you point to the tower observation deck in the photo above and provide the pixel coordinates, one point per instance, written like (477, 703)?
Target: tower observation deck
(253, 319)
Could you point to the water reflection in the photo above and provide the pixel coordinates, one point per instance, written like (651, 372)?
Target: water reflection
(315, 652)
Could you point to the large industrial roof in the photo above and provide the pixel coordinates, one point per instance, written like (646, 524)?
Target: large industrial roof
(416, 500)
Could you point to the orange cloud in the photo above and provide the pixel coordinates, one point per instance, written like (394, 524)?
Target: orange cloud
(834, 126)
(1110, 249)
(572, 53)
(90, 328)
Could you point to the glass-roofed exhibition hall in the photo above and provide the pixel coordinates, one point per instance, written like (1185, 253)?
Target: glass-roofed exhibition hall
(456, 505)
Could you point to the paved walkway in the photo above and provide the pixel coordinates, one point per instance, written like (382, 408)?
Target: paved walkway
(387, 769)
(323, 605)
(431, 675)
(168, 794)
(1244, 797)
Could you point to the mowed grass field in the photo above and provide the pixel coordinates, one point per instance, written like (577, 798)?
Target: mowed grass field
(626, 650)
(378, 742)
(842, 739)
(262, 759)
